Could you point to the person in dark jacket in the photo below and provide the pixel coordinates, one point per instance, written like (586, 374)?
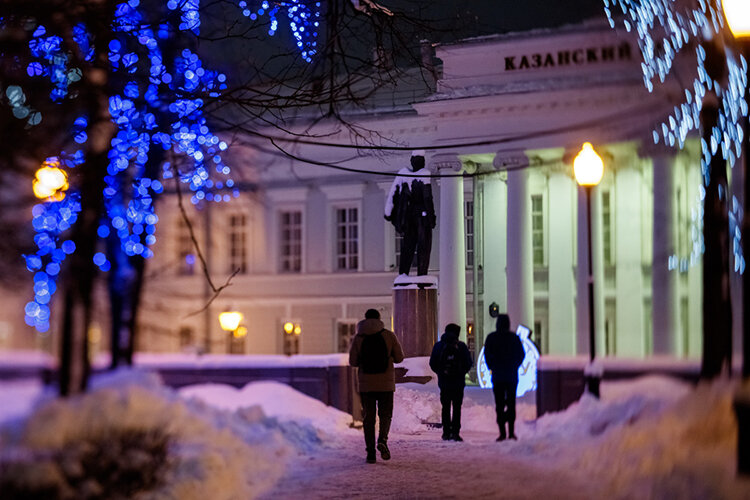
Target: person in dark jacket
(376, 389)
(503, 353)
(451, 360)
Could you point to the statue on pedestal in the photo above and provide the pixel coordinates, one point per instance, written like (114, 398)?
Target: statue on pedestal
(411, 211)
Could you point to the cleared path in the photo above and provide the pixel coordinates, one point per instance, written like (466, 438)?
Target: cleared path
(424, 466)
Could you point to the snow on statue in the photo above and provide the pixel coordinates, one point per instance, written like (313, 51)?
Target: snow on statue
(410, 209)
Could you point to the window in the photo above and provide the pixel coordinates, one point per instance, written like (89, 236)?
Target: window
(291, 242)
(186, 337)
(539, 338)
(347, 239)
(345, 330)
(185, 255)
(469, 215)
(537, 230)
(237, 244)
(607, 228)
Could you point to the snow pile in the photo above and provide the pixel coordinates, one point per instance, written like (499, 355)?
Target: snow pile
(684, 450)
(172, 448)
(18, 398)
(277, 400)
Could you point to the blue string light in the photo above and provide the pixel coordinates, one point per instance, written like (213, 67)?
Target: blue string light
(664, 29)
(163, 110)
(304, 21)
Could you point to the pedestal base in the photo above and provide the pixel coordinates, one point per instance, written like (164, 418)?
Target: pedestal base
(415, 319)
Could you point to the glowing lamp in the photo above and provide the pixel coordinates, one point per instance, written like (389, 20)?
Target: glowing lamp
(297, 329)
(240, 332)
(737, 13)
(230, 320)
(288, 327)
(50, 182)
(588, 166)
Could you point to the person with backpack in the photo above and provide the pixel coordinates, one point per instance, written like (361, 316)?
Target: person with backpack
(373, 351)
(451, 360)
(504, 353)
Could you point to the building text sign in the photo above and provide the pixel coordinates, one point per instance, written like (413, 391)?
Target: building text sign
(569, 57)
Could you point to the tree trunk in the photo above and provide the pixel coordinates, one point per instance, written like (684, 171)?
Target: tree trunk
(79, 281)
(717, 307)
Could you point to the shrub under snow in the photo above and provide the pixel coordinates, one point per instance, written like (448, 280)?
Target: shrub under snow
(136, 439)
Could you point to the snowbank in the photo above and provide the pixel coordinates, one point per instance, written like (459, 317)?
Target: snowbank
(209, 453)
(276, 400)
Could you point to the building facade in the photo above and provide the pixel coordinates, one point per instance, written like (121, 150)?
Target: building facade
(307, 245)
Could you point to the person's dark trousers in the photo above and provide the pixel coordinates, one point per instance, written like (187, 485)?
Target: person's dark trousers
(384, 403)
(451, 396)
(505, 404)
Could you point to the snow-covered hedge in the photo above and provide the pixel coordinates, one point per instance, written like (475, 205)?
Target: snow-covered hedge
(133, 438)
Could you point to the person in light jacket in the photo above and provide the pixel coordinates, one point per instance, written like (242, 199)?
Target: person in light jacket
(376, 387)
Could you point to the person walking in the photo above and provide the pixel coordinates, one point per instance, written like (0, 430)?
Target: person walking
(373, 351)
(504, 353)
(451, 360)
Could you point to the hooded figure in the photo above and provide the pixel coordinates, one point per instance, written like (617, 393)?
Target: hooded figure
(503, 353)
(411, 211)
(376, 387)
(451, 360)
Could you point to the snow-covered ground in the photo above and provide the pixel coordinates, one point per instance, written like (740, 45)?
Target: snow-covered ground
(653, 437)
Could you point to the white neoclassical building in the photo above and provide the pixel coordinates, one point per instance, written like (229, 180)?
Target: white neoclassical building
(501, 129)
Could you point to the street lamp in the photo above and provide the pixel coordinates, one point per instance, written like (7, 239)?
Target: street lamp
(50, 182)
(230, 320)
(588, 168)
(737, 14)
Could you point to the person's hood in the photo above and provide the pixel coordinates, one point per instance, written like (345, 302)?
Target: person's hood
(449, 338)
(369, 326)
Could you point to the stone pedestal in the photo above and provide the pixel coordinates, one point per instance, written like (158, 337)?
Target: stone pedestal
(415, 318)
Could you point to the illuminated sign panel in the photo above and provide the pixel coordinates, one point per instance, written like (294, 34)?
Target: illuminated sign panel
(526, 372)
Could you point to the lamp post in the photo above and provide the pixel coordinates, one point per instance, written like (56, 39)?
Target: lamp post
(588, 168)
(737, 14)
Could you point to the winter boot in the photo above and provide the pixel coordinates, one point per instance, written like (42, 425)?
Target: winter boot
(385, 453)
(446, 433)
(511, 434)
(457, 437)
(502, 433)
(370, 456)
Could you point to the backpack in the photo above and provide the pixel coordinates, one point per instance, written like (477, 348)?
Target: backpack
(373, 357)
(450, 361)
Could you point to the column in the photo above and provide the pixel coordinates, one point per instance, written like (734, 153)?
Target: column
(519, 269)
(452, 257)
(665, 303)
(629, 314)
(494, 236)
(560, 258)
